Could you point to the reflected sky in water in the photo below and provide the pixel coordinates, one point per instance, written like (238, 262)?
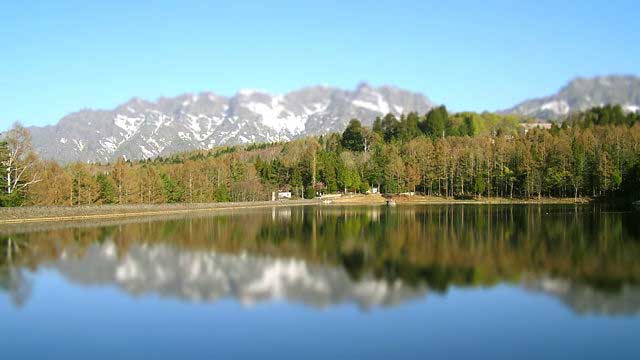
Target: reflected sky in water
(328, 282)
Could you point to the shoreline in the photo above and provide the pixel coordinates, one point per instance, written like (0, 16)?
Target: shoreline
(23, 215)
(26, 215)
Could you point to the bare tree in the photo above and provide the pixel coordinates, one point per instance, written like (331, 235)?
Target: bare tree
(20, 160)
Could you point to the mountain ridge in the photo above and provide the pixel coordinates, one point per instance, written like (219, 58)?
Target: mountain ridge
(138, 128)
(582, 93)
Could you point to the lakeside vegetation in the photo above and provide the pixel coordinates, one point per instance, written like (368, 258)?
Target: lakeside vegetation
(594, 153)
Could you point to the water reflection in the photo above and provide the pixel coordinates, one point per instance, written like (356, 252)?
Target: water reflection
(208, 276)
(319, 256)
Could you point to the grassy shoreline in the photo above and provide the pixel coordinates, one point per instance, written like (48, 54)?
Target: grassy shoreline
(23, 215)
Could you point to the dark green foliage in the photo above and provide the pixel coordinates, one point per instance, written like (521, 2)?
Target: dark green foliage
(309, 192)
(106, 189)
(480, 185)
(296, 182)
(603, 115)
(10, 200)
(269, 171)
(377, 126)
(222, 194)
(436, 122)
(353, 136)
(173, 191)
(374, 172)
(327, 164)
(258, 146)
(468, 127)
(408, 127)
(363, 187)
(390, 127)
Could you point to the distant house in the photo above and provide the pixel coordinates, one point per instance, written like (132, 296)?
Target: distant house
(284, 194)
(373, 190)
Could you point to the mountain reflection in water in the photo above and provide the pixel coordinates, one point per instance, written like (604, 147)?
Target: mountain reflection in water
(320, 256)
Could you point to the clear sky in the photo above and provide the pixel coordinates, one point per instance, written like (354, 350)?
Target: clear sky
(59, 56)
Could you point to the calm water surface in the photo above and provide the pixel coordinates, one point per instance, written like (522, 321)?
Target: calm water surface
(495, 282)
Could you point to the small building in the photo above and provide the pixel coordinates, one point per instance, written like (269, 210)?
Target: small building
(284, 194)
(373, 190)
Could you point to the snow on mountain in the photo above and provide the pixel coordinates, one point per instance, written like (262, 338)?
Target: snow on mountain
(141, 129)
(631, 108)
(200, 276)
(582, 94)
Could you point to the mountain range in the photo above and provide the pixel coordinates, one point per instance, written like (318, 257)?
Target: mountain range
(582, 94)
(140, 129)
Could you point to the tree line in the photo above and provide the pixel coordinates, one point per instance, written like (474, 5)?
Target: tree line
(462, 155)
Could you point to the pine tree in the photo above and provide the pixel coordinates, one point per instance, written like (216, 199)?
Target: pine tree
(106, 190)
(353, 136)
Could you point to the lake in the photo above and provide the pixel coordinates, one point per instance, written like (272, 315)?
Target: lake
(325, 282)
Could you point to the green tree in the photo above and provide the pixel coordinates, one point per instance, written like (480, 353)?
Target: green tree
(408, 128)
(296, 182)
(468, 126)
(435, 122)
(578, 166)
(173, 192)
(222, 194)
(309, 192)
(480, 185)
(353, 136)
(106, 189)
(390, 127)
(377, 126)
(376, 165)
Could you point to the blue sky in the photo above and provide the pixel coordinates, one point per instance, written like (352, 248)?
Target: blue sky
(59, 56)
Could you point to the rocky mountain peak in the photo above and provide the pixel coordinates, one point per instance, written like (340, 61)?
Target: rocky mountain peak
(139, 129)
(583, 93)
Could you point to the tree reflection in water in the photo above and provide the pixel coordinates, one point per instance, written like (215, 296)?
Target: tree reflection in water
(373, 256)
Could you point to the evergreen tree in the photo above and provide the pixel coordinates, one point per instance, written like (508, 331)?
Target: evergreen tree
(353, 136)
(106, 189)
(468, 126)
(389, 127)
(436, 122)
(222, 194)
(377, 126)
(296, 182)
(408, 127)
(173, 192)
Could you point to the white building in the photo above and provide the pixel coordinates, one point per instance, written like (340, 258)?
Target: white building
(284, 194)
(537, 125)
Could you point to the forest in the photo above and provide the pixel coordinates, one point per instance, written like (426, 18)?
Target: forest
(595, 153)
